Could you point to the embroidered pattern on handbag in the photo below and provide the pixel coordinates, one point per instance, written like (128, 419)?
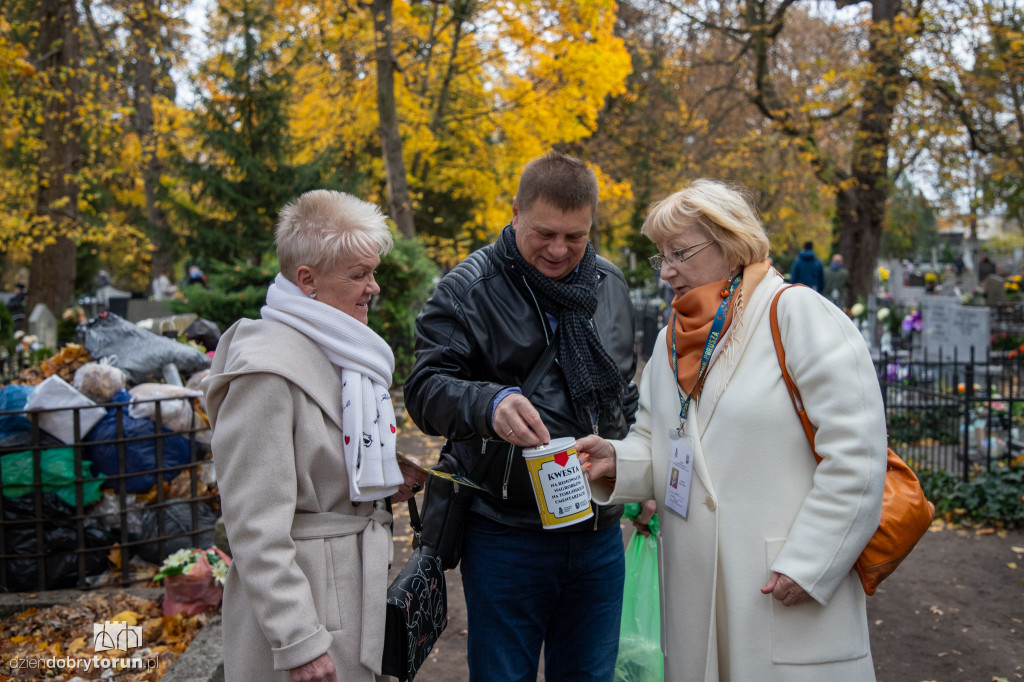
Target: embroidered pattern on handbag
(417, 614)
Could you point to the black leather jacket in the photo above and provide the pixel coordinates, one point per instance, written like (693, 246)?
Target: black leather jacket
(480, 333)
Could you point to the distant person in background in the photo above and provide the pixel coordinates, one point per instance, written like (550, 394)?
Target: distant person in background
(163, 288)
(908, 270)
(196, 276)
(837, 281)
(958, 264)
(986, 266)
(16, 304)
(807, 269)
(102, 279)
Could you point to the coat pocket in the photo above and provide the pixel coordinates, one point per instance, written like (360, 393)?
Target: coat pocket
(315, 559)
(810, 633)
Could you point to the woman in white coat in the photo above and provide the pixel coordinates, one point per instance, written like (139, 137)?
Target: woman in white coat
(756, 564)
(304, 445)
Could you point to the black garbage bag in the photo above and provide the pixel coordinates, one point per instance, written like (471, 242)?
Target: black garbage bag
(59, 543)
(140, 455)
(205, 332)
(177, 519)
(141, 354)
(24, 441)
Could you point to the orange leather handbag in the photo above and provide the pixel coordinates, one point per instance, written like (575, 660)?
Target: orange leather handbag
(906, 513)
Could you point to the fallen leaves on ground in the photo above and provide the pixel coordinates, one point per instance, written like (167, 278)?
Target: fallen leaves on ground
(57, 642)
(64, 364)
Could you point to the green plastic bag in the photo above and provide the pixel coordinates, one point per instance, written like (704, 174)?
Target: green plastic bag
(58, 472)
(640, 658)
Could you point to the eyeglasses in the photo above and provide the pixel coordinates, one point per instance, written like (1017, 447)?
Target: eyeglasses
(678, 256)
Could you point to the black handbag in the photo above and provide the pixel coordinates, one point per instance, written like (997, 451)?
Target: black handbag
(417, 611)
(445, 503)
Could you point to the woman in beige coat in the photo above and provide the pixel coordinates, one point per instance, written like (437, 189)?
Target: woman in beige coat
(304, 445)
(756, 566)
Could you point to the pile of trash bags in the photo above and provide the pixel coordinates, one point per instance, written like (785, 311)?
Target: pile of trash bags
(99, 431)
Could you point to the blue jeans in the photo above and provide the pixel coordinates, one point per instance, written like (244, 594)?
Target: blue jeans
(525, 588)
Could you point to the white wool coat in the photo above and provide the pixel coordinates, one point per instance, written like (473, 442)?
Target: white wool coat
(309, 567)
(758, 503)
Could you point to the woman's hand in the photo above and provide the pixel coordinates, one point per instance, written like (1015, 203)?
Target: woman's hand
(598, 455)
(414, 481)
(647, 509)
(320, 669)
(785, 589)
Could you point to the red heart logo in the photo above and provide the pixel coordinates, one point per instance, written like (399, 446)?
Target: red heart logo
(392, 428)
(346, 440)
(562, 458)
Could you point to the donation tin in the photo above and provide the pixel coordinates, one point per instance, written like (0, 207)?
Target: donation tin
(559, 484)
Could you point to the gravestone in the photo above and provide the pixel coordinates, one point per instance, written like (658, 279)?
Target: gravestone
(43, 325)
(995, 290)
(951, 327)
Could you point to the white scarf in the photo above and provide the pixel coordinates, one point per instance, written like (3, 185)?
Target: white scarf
(365, 362)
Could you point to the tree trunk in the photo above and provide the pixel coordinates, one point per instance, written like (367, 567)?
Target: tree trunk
(390, 140)
(862, 207)
(144, 34)
(52, 275)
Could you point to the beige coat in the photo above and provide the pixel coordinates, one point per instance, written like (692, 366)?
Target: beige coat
(309, 570)
(759, 504)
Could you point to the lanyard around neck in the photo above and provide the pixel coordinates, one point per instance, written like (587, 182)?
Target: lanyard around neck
(709, 349)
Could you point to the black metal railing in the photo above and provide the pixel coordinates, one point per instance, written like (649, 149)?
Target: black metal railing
(954, 414)
(54, 532)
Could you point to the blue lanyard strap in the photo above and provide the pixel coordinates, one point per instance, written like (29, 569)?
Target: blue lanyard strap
(709, 347)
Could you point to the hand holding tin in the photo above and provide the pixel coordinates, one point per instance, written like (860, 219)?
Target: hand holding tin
(598, 456)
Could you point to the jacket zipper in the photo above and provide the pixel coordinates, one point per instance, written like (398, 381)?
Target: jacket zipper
(508, 472)
(511, 451)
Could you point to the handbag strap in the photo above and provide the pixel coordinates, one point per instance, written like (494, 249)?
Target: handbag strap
(542, 365)
(414, 517)
(794, 393)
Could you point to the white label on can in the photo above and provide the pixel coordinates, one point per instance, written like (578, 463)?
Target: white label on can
(565, 488)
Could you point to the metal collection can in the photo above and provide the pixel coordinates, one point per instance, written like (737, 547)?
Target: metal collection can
(559, 484)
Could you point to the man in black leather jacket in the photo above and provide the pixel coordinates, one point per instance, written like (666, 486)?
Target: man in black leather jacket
(477, 339)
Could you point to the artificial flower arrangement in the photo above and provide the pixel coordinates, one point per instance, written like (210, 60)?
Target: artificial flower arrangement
(193, 580)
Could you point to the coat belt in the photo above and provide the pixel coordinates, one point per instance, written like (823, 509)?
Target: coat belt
(377, 553)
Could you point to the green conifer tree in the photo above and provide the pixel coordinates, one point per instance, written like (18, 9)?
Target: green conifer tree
(241, 175)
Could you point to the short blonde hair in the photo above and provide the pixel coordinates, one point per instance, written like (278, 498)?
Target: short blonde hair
(323, 226)
(721, 212)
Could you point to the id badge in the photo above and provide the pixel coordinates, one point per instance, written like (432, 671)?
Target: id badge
(680, 472)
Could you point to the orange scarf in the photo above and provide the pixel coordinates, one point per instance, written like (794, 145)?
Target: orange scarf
(694, 313)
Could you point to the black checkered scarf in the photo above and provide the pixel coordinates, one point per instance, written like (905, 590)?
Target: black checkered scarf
(593, 377)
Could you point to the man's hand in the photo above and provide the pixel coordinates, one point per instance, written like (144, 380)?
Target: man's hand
(517, 421)
(599, 456)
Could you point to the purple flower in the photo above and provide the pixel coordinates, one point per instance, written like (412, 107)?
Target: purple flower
(913, 322)
(896, 372)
